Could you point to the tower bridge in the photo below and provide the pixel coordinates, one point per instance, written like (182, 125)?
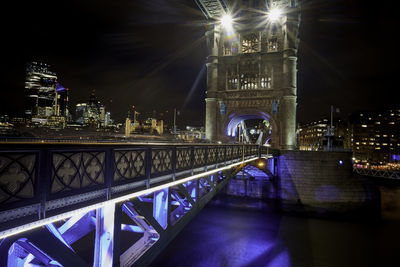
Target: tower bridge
(252, 67)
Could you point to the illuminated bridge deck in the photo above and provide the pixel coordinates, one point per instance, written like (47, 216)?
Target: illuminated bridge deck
(64, 192)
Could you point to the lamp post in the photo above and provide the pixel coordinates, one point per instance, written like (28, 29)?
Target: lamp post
(174, 129)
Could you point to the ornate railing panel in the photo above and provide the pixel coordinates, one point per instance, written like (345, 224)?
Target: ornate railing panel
(221, 153)
(17, 176)
(199, 156)
(212, 155)
(129, 164)
(76, 170)
(161, 160)
(183, 158)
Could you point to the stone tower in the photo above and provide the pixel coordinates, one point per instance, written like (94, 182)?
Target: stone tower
(252, 67)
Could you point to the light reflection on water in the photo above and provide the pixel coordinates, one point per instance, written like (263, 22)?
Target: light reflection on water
(221, 236)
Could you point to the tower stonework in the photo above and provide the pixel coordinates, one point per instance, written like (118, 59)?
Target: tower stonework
(252, 69)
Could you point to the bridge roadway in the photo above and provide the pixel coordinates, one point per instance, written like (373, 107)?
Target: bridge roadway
(121, 204)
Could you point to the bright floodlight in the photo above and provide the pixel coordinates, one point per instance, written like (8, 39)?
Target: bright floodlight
(274, 14)
(226, 21)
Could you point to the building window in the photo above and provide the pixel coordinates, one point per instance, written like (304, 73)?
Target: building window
(232, 78)
(265, 82)
(232, 83)
(248, 81)
(273, 44)
(250, 43)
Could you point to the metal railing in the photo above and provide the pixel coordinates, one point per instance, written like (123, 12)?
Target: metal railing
(378, 173)
(38, 181)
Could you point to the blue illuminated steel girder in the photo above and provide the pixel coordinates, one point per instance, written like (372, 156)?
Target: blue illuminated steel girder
(75, 190)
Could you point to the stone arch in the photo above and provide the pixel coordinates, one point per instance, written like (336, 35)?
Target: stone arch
(235, 117)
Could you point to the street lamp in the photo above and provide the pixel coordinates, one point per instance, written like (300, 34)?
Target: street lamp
(274, 14)
(226, 21)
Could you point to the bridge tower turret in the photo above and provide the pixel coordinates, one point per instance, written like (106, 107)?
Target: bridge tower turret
(252, 66)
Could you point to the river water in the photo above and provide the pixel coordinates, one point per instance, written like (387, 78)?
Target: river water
(231, 236)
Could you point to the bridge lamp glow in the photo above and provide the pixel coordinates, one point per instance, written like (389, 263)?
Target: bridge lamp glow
(227, 21)
(274, 14)
(261, 164)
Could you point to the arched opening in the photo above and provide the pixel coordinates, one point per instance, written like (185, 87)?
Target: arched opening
(254, 127)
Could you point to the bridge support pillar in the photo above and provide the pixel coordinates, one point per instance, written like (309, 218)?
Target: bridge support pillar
(211, 119)
(288, 114)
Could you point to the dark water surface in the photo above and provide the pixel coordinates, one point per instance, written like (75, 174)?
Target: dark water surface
(222, 236)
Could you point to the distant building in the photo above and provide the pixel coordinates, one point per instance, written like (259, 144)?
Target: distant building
(40, 84)
(92, 113)
(107, 119)
(312, 136)
(81, 113)
(375, 136)
(45, 97)
(192, 134)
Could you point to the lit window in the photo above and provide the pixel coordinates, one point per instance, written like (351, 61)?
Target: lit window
(232, 83)
(248, 81)
(265, 82)
(364, 126)
(232, 78)
(378, 122)
(364, 143)
(273, 44)
(250, 43)
(357, 143)
(385, 135)
(377, 148)
(392, 122)
(384, 144)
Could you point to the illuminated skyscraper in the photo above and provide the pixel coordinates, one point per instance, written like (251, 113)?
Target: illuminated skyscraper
(40, 90)
(91, 113)
(46, 100)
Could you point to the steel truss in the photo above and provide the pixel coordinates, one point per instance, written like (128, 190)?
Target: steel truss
(129, 233)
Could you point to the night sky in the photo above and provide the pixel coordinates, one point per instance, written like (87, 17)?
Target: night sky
(151, 54)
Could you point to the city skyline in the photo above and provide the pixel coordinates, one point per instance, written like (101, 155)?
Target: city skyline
(137, 53)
